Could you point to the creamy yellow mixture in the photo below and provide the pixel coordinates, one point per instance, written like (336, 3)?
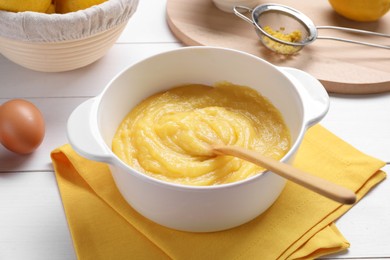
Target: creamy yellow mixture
(168, 135)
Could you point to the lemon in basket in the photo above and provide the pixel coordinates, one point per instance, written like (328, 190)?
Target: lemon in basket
(67, 6)
(51, 9)
(361, 10)
(25, 5)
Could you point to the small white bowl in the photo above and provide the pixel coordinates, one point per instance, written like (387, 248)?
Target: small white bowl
(301, 99)
(62, 42)
(228, 5)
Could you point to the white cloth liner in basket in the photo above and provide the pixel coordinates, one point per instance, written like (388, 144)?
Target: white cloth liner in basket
(38, 27)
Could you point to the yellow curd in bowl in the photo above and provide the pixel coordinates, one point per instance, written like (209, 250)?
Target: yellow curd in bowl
(168, 135)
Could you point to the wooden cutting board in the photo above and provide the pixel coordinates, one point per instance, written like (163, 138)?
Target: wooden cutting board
(341, 67)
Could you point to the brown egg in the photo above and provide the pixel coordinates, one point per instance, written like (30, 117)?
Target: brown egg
(22, 126)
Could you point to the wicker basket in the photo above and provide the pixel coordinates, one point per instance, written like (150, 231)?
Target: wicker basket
(62, 42)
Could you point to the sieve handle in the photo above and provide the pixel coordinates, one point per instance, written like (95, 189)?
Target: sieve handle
(237, 12)
(354, 31)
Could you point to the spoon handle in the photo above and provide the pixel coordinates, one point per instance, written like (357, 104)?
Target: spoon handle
(316, 184)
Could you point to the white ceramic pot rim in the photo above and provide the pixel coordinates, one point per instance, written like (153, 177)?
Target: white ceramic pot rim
(317, 94)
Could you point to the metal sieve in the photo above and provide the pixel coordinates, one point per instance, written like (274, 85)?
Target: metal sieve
(284, 20)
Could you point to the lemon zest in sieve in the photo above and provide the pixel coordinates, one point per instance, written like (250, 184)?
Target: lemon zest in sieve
(294, 36)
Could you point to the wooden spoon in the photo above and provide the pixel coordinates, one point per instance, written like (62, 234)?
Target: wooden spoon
(316, 184)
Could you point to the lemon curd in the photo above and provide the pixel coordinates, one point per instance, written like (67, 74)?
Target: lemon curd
(168, 135)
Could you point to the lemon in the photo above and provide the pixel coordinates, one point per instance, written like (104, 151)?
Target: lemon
(25, 5)
(51, 9)
(67, 6)
(361, 10)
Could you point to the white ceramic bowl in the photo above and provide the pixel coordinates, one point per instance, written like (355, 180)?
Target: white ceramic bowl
(63, 42)
(301, 99)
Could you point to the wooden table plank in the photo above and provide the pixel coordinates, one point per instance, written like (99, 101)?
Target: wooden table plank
(16, 81)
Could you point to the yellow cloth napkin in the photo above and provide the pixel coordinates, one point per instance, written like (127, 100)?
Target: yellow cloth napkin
(299, 225)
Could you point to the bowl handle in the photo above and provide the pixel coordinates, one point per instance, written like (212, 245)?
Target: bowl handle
(316, 99)
(82, 133)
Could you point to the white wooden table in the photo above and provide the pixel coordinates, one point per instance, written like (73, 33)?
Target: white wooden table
(32, 220)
